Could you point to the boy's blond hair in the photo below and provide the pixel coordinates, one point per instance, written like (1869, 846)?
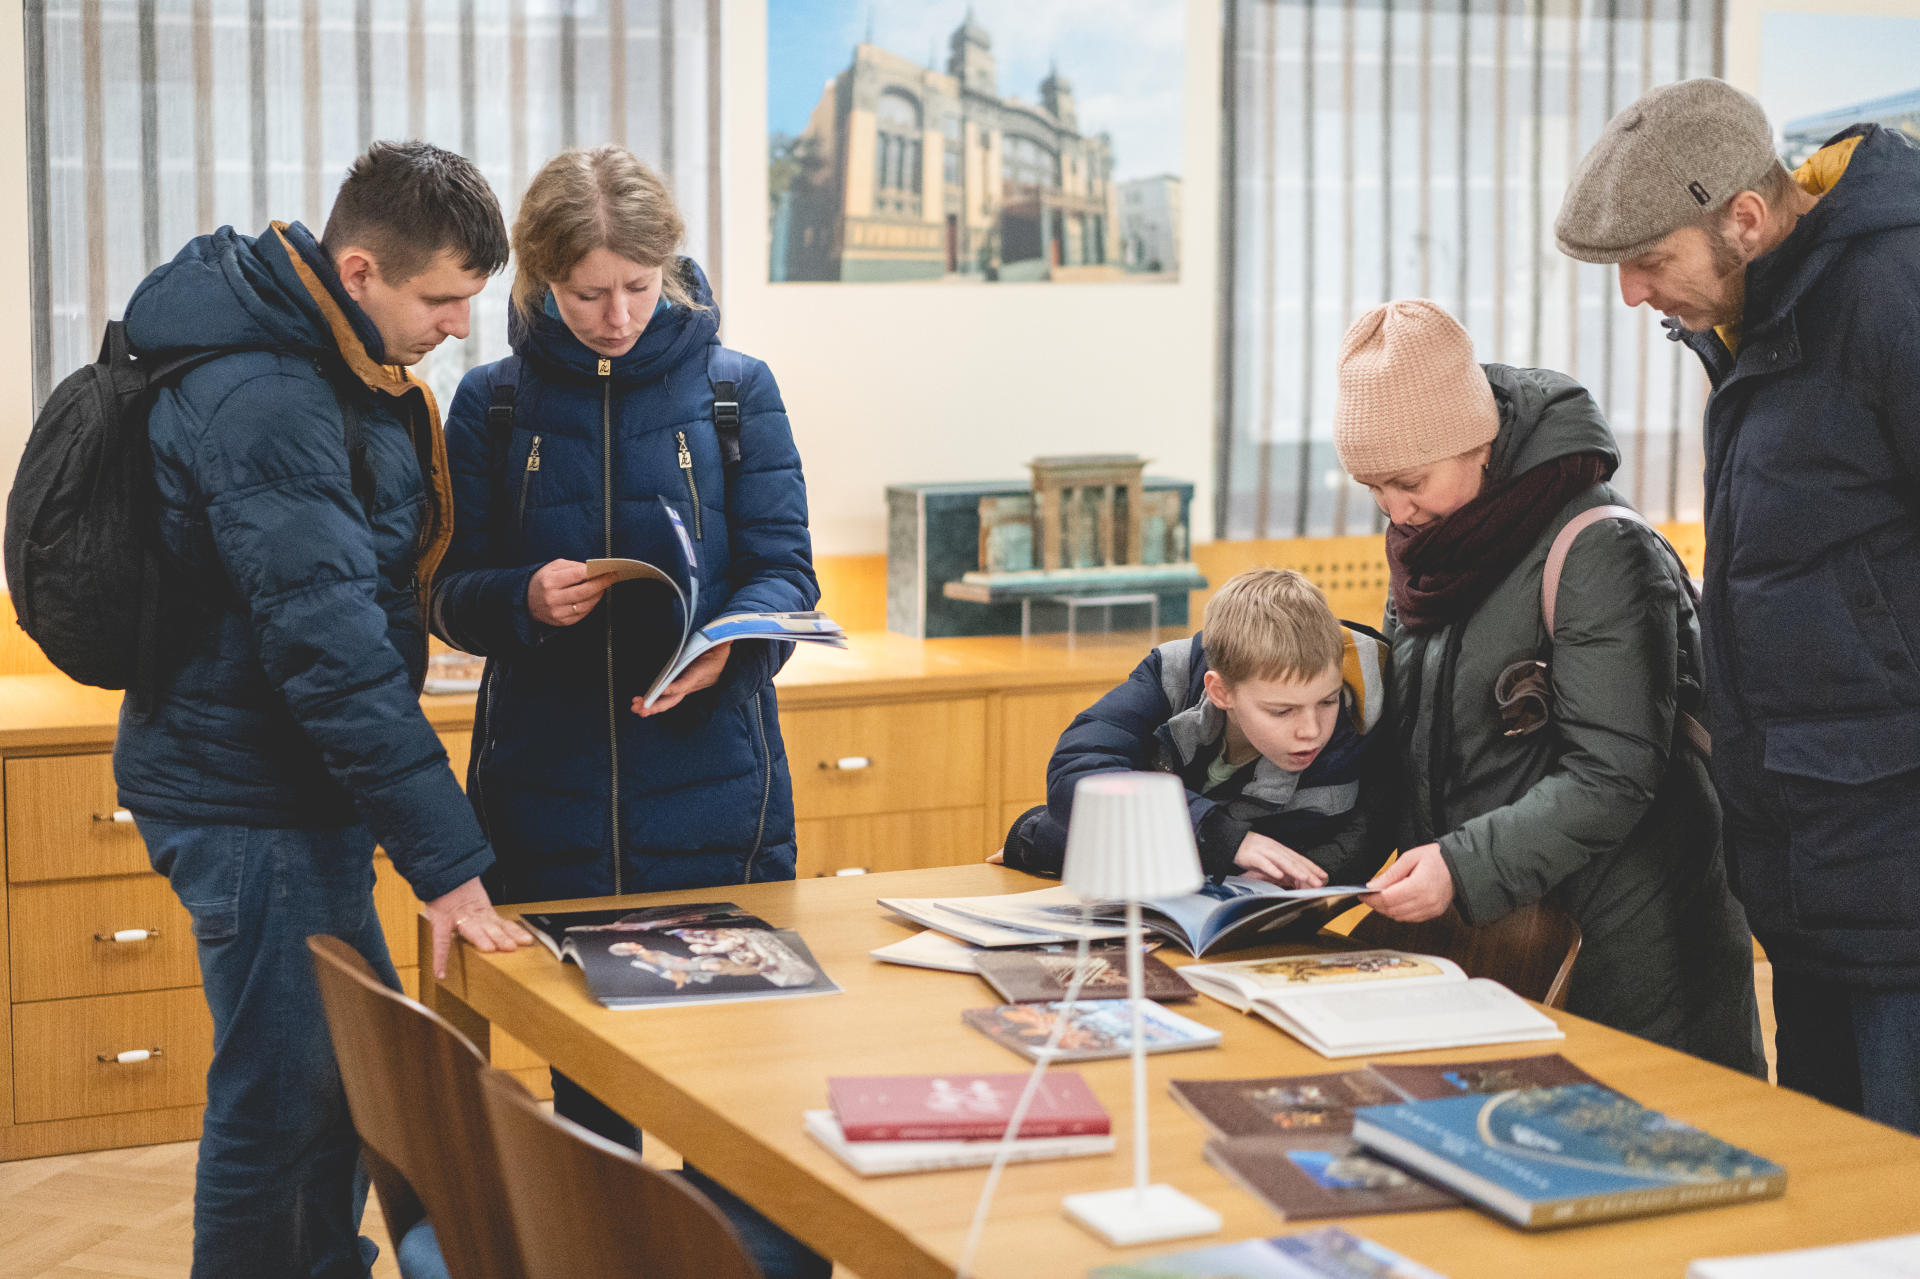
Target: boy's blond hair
(1271, 623)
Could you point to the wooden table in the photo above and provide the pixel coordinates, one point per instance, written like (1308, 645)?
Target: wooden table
(725, 1084)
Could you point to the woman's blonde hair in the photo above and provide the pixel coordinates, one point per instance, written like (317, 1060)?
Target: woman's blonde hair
(599, 199)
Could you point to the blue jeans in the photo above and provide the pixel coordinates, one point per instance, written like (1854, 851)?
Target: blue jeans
(277, 1191)
(778, 1254)
(1852, 1047)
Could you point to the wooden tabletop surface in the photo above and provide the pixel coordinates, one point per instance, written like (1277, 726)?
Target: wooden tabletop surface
(725, 1084)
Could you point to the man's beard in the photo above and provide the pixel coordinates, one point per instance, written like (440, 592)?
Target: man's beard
(1730, 271)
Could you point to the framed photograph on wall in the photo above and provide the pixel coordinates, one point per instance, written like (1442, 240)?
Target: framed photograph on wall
(996, 141)
(1819, 66)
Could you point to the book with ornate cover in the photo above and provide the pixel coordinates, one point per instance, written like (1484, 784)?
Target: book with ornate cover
(1095, 1029)
(1326, 1253)
(699, 952)
(1303, 1175)
(961, 1107)
(1544, 1157)
(1433, 1081)
(1317, 1104)
(1033, 975)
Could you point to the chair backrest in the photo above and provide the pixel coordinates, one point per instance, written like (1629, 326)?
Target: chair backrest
(413, 1085)
(1530, 950)
(584, 1206)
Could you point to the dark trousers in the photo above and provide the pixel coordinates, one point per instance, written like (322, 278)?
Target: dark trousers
(1851, 1047)
(778, 1254)
(277, 1192)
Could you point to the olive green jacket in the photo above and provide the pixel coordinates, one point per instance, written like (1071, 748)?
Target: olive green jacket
(1601, 811)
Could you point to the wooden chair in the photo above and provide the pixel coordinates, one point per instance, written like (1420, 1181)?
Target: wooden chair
(413, 1084)
(1530, 950)
(583, 1206)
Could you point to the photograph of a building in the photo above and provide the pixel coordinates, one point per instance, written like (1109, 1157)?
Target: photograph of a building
(943, 170)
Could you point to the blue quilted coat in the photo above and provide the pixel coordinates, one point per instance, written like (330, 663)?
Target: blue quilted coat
(580, 796)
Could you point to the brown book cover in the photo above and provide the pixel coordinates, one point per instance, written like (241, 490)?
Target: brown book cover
(1463, 1078)
(1094, 1028)
(1042, 976)
(1303, 1176)
(1319, 1104)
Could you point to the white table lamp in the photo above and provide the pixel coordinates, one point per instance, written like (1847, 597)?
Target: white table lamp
(1130, 839)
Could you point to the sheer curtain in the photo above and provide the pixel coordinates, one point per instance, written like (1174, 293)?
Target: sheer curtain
(1406, 148)
(152, 121)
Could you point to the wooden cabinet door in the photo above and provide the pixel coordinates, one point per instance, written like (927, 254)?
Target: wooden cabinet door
(1030, 728)
(892, 841)
(58, 1046)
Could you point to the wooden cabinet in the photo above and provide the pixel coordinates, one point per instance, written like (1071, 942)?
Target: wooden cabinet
(903, 753)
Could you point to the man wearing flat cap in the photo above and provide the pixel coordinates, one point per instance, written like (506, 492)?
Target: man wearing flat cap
(1800, 292)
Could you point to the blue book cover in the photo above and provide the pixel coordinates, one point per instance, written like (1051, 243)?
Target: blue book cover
(1561, 1156)
(1327, 1253)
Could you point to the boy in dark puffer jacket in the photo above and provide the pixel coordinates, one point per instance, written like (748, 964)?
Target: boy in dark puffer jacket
(1271, 716)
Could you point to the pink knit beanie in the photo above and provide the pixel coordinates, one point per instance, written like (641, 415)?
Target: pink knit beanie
(1410, 391)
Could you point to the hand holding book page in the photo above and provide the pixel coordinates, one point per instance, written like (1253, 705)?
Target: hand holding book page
(788, 628)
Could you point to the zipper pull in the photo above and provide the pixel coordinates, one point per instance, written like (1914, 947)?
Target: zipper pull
(686, 455)
(533, 455)
(606, 367)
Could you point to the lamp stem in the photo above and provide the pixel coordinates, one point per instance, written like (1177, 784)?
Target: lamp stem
(1134, 987)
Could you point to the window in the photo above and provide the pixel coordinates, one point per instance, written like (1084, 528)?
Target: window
(1026, 162)
(897, 152)
(1419, 148)
(151, 123)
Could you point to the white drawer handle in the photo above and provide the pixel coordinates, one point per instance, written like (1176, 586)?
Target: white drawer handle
(129, 1057)
(850, 870)
(128, 934)
(117, 815)
(848, 763)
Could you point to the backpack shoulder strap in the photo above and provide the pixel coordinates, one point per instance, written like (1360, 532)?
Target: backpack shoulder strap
(725, 371)
(1695, 732)
(506, 389)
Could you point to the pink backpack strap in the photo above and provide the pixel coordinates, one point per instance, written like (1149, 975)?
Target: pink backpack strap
(1692, 729)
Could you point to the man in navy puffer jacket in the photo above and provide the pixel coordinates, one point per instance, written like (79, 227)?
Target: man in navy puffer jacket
(288, 738)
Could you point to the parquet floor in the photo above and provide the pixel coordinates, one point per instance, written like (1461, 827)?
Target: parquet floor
(128, 1214)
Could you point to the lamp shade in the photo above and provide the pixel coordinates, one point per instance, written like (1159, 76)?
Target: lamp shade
(1130, 839)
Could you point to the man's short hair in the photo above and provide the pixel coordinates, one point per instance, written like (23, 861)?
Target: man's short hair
(406, 202)
(1271, 623)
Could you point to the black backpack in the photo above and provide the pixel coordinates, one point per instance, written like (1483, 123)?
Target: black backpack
(82, 549)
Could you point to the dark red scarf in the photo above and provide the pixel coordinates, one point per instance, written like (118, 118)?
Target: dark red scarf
(1441, 571)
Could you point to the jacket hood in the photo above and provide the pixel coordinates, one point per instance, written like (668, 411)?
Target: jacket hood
(1875, 188)
(671, 337)
(228, 291)
(1544, 415)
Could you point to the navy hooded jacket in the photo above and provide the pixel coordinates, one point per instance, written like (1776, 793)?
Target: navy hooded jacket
(1338, 812)
(294, 702)
(1811, 607)
(563, 772)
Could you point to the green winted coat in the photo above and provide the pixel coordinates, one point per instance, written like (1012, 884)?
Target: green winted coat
(1601, 811)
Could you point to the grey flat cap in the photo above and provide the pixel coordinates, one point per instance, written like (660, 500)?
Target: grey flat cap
(1678, 151)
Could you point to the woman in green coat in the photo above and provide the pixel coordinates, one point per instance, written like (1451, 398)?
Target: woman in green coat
(1566, 782)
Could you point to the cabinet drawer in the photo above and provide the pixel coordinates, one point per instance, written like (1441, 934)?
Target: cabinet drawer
(60, 811)
(887, 758)
(892, 841)
(57, 1046)
(63, 938)
(1030, 727)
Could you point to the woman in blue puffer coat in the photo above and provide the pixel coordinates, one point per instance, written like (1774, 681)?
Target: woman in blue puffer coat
(619, 398)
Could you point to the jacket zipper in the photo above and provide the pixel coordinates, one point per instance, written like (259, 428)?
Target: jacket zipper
(526, 481)
(766, 783)
(693, 489)
(613, 710)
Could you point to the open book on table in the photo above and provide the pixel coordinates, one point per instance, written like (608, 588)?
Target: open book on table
(787, 628)
(700, 952)
(1348, 1003)
(1239, 911)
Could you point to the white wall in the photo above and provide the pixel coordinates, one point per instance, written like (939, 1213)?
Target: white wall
(888, 383)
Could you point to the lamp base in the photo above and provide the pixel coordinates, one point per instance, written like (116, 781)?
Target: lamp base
(1130, 1215)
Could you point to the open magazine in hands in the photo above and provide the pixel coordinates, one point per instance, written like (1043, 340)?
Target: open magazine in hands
(790, 628)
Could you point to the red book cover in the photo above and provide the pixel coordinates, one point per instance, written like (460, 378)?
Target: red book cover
(962, 1107)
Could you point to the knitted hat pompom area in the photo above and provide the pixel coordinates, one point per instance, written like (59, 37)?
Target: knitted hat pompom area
(1410, 391)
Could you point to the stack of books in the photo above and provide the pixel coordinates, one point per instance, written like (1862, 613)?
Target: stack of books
(883, 1124)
